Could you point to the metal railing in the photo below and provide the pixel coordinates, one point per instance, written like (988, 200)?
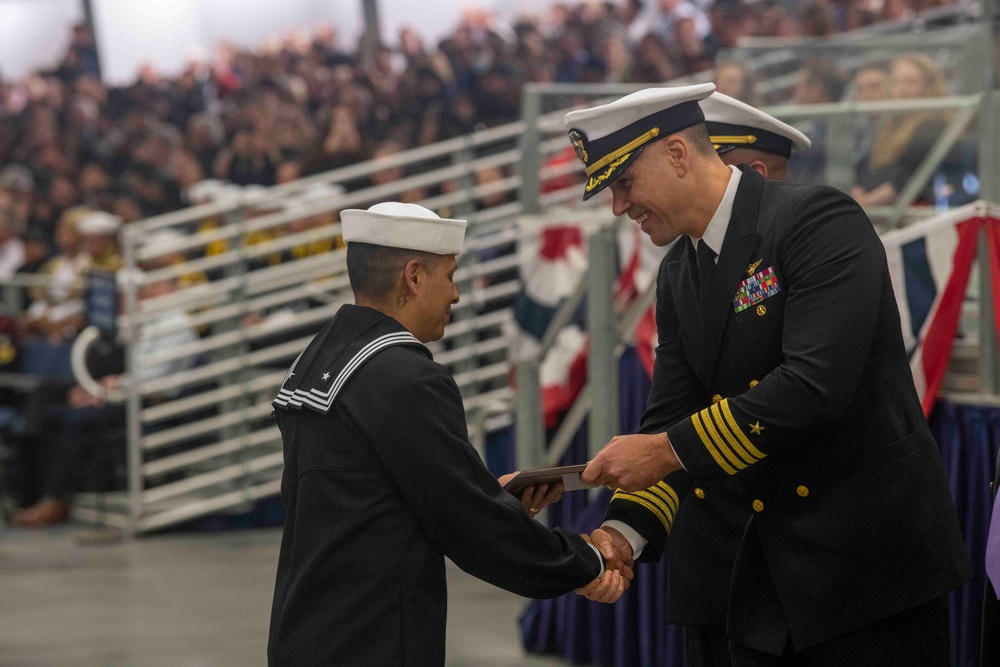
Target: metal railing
(965, 45)
(201, 441)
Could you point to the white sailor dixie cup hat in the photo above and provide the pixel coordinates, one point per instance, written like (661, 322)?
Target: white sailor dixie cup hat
(609, 138)
(408, 226)
(733, 124)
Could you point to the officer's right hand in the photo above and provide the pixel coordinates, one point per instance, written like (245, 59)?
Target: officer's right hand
(610, 541)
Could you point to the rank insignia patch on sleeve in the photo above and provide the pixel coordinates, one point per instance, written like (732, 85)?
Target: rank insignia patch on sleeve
(755, 289)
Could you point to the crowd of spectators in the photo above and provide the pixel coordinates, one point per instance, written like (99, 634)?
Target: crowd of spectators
(306, 103)
(79, 158)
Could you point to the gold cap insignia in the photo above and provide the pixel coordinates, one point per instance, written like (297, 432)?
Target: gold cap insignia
(577, 139)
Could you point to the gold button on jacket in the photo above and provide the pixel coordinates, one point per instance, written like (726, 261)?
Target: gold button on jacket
(754, 383)
(716, 398)
(758, 506)
(802, 491)
(698, 492)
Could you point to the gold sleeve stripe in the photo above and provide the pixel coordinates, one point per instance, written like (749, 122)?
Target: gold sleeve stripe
(663, 518)
(696, 420)
(724, 405)
(723, 447)
(663, 486)
(731, 439)
(667, 508)
(666, 493)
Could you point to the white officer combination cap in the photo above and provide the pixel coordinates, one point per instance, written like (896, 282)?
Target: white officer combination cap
(207, 190)
(734, 124)
(163, 242)
(99, 223)
(609, 138)
(408, 226)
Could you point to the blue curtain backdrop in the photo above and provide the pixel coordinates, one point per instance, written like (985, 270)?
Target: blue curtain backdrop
(633, 632)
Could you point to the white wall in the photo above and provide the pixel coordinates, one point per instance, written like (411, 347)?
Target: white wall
(34, 34)
(131, 32)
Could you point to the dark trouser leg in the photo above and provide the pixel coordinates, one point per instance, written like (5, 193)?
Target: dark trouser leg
(707, 646)
(991, 628)
(39, 405)
(74, 446)
(917, 636)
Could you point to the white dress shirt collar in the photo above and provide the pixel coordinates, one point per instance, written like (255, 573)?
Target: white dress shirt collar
(715, 233)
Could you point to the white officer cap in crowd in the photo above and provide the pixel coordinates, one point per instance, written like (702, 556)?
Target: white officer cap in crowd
(163, 242)
(207, 190)
(320, 193)
(733, 124)
(609, 138)
(407, 226)
(99, 223)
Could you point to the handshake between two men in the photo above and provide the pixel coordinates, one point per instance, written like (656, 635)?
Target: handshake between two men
(618, 560)
(629, 463)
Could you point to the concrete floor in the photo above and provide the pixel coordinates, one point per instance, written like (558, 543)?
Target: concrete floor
(191, 600)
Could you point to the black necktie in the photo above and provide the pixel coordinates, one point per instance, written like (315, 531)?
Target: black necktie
(706, 268)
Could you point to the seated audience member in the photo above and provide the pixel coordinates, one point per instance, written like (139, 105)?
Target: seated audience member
(11, 247)
(36, 256)
(321, 193)
(170, 250)
(819, 82)
(902, 141)
(64, 422)
(736, 80)
(56, 311)
(100, 240)
(652, 62)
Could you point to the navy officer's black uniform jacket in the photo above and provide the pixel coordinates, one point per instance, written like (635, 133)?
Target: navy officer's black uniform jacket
(380, 484)
(813, 501)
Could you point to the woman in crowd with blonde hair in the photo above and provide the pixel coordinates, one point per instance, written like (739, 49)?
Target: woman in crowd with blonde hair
(902, 140)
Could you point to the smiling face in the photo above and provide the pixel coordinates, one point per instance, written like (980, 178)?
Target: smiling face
(648, 194)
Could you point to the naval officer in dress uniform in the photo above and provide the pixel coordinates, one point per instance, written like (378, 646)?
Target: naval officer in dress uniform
(780, 366)
(706, 533)
(380, 482)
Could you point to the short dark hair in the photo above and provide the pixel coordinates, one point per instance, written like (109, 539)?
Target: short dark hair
(777, 165)
(699, 138)
(373, 269)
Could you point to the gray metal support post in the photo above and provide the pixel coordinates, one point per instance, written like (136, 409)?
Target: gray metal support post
(531, 156)
(989, 189)
(530, 424)
(530, 427)
(129, 335)
(602, 362)
(839, 167)
(372, 37)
